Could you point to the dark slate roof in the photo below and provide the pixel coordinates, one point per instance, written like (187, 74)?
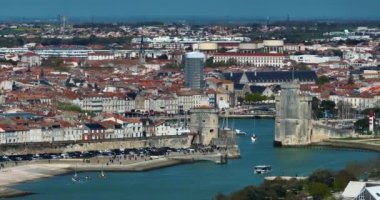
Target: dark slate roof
(361, 70)
(132, 95)
(234, 77)
(370, 68)
(76, 81)
(276, 88)
(356, 72)
(44, 82)
(272, 76)
(23, 115)
(147, 121)
(167, 73)
(94, 126)
(238, 86)
(257, 89)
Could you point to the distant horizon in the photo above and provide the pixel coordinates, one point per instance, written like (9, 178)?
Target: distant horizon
(174, 19)
(124, 10)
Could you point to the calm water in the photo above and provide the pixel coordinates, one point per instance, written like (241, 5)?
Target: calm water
(200, 180)
(156, 10)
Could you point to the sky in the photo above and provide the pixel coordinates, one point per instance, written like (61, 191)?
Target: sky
(253, 9)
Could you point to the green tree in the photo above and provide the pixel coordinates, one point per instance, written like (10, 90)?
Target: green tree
(69, 107)
(301, 67)
(210, 62)
(350, 80)
(222, 50)
(318, 190)
(322, 80)
(362, 125)
(337, 52)
(254, 97)
(327, 106)
(322, 176)
(163, 57)
(342, 179)
(171, 66)
(231, 61)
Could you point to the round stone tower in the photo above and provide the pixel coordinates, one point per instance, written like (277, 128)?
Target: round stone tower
(293, 117)
(204, 123)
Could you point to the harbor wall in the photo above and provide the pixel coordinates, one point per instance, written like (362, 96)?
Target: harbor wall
(321, 133)
(61, 147)
(349, 144)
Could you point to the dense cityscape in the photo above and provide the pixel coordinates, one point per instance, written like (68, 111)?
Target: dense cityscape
(117, 94)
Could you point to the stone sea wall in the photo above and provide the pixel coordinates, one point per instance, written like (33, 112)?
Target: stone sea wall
(61, 147)
(321, 132)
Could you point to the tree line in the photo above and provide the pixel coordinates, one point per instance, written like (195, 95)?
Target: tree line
(321, 184)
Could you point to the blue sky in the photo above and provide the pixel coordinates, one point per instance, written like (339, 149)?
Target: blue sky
(297, 9)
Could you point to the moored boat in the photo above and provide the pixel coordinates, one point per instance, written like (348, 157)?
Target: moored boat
(262, 169)
(253, 138)
(102, 175)
(240, 132)
(75, 177)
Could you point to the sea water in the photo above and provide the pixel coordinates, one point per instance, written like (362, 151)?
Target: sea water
(201, 181)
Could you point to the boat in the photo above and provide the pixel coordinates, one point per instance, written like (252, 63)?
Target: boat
(75, 177)
(102, 175)
(262, 169)
(253, 138)
(183, 130)
(240, 132)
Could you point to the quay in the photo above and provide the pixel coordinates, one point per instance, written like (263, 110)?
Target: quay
(256, 114)
(259, 115)
(219, 158)
(371, 144)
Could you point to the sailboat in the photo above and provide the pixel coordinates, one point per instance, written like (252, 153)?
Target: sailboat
(102, 175)
(75, 177)
(225, 122)
(253, 137)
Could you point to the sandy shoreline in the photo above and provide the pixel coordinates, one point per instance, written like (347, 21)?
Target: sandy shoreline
(18, 172)
(34, 170)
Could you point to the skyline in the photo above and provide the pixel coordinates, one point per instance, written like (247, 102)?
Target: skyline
(198, 9)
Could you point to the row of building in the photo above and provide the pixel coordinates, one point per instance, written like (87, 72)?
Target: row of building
(111, 127)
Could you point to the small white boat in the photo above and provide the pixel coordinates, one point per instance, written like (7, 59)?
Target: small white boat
(262, 169)
(253, 138)
(102, 175)
(240, 132)
(75, 178)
